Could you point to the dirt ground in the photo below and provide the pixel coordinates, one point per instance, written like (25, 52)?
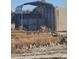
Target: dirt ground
(38, 45)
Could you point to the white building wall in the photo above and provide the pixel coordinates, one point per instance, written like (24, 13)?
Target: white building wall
(61, 19)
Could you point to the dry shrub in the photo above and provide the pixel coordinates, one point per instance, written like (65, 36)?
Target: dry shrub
(25, 39)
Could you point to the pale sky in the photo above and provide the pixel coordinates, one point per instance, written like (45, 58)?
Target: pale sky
(15, 3)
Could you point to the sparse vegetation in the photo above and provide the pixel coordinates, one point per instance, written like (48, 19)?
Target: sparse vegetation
(23, 41)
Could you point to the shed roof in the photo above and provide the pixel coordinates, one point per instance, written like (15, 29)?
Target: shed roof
(38, 3)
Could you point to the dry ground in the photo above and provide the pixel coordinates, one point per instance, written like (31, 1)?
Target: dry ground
(22, 41)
